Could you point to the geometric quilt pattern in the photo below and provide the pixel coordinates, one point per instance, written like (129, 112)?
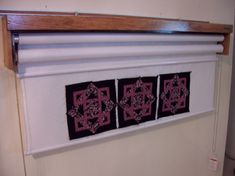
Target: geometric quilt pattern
(136, 100)
(90, 108)
(174, 94)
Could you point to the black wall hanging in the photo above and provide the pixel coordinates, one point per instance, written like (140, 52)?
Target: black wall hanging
(90, 108)
(174, 94)
(136, 100)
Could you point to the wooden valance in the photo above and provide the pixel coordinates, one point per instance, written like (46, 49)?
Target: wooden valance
(20, 21)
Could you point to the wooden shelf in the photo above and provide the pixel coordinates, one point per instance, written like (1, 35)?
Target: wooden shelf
(23, 21)
(110, 23)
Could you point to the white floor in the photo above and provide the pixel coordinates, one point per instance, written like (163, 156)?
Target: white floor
(229, 167)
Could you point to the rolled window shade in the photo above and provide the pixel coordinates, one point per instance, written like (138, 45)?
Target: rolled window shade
(61, 47)
(48, 62)
(73, 53)
(69, 38)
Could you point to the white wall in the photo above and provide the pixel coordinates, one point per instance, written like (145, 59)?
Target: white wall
(179, 149)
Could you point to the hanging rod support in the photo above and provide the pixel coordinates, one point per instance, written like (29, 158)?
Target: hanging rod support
(15, 45)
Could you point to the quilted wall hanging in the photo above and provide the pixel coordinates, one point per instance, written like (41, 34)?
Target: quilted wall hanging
(136, 100)
(80, 87)
(174, 94)
(90, 108)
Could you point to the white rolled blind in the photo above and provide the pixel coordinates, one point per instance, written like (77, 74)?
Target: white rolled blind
(62, 38)
(47, 62)
(62, 47)
(40, 52)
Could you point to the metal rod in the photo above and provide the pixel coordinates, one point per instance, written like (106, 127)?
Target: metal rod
(15, 43)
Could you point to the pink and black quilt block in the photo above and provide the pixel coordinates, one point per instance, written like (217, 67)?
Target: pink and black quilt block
(136, 100)
(174, 94)
(90, 108)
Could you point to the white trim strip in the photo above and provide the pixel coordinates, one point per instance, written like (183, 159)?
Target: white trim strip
(26, 119)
